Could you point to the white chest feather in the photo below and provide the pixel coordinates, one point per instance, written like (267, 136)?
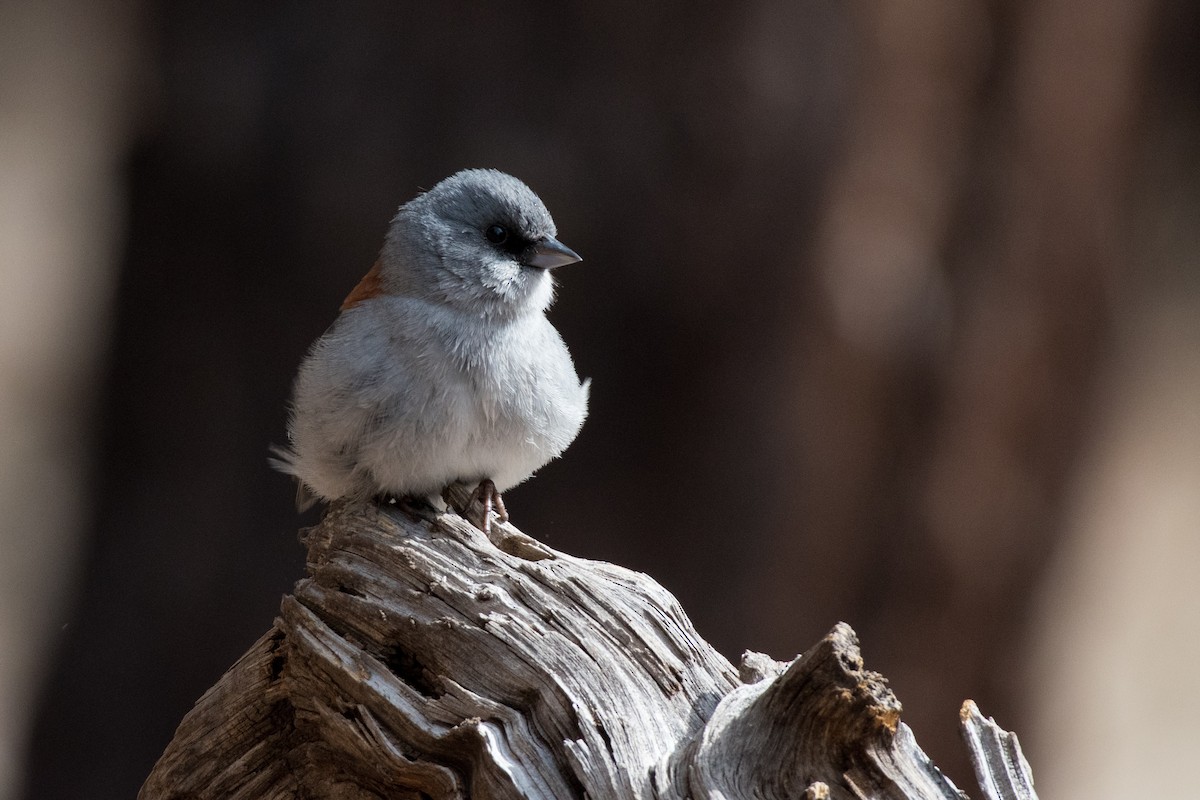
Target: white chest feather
(431, 400)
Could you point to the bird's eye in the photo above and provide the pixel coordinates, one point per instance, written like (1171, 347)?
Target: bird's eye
(496, 234)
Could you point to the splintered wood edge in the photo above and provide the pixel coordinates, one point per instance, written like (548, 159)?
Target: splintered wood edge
(821, 726)
(1000, 767)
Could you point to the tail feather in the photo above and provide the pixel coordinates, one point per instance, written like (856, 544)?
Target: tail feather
(284, 460)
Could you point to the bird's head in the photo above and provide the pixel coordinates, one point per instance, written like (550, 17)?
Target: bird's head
(480, 241)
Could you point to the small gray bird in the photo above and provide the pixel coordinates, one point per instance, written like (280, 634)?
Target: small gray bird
(442, 366)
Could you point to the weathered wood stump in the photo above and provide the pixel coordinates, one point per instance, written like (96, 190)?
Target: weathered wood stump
(421, 659)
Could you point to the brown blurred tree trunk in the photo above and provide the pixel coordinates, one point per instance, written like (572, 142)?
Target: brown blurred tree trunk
(966, 265)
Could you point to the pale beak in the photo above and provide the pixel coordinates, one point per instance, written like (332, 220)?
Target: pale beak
(549, 253)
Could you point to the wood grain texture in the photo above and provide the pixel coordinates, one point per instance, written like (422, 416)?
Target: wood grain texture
(421, 659)
(1000, 766)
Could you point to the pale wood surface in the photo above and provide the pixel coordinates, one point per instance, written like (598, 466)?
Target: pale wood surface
(421, 659)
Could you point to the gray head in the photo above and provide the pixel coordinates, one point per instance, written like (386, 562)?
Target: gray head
(480, 241)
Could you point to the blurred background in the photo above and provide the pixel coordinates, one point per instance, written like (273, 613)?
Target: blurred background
(892, 313)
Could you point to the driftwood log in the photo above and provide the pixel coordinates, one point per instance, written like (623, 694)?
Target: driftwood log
(423, 659)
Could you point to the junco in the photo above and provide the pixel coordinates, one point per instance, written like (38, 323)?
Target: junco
(442, 366)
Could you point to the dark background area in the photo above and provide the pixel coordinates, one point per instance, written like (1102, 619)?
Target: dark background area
(854, 275)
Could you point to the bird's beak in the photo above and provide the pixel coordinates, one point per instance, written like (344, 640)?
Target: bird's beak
(549, 253)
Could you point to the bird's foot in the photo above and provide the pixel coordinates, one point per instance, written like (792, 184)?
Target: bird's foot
(491, 500)
(478, 505)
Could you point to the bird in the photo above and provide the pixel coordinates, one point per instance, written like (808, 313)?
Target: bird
(441, 366)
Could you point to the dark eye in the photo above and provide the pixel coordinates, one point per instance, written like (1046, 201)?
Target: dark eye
(496, 234)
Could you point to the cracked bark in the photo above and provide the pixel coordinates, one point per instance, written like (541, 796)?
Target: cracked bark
(423, 659)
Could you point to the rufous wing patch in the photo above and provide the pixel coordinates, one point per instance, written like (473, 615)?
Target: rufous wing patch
(370, 286)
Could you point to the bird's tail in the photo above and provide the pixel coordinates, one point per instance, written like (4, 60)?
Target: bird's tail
(284, 460)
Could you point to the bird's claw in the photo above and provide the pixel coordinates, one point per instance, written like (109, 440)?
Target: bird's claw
(491, 500)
